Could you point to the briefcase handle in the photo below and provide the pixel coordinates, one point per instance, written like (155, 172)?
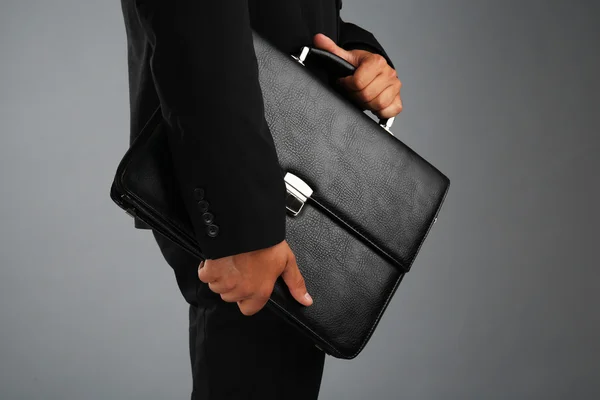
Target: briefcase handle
(335, 66)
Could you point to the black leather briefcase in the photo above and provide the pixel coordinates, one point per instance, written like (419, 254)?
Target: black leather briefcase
(360, 202)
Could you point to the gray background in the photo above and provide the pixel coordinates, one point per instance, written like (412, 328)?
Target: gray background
(502, 303)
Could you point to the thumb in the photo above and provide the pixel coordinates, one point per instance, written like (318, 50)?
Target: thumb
(295, 282)
(323, 42)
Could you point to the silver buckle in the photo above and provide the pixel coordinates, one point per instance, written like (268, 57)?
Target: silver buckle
(297, 193)
(387, 124)
(303, 54)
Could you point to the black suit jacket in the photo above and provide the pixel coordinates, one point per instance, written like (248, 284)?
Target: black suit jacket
(196, 60)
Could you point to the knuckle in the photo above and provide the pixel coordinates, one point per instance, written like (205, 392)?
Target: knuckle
(228, 285)
(380, 60)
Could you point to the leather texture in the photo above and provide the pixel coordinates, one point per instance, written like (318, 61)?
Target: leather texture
(373, 204)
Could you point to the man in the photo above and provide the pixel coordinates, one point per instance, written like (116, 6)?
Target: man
(196, 59)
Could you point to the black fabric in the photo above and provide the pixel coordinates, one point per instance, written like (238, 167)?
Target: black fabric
(196, 60)
(238, 357)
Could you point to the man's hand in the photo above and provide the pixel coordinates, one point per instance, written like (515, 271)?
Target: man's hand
(249, 278)
(374, 86)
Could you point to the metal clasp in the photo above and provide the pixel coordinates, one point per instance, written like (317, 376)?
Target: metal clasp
(387, 124)
(303, 53)
(297, 193)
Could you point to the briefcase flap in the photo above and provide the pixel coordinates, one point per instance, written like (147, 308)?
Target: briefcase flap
(370, 183)
(361, 176)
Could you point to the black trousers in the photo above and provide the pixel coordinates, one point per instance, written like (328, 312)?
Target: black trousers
(240, 357)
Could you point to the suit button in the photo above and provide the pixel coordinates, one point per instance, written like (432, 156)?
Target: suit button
(208, 218)
(199, 194)
(203, 205)
(212, 230)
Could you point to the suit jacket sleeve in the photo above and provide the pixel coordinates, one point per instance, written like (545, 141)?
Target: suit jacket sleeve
(352, 36)
(206, 75)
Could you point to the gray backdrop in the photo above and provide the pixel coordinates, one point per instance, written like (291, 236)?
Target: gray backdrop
(502, 303)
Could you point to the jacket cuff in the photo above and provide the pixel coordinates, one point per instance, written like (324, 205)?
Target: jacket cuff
(235, 198)
(242, 225)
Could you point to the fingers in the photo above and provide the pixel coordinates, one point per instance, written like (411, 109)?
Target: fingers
(369, 69)
(388, 104)
(375, 86)
(250, 282)
(382, 97)
(370, 96)
(293, 279)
